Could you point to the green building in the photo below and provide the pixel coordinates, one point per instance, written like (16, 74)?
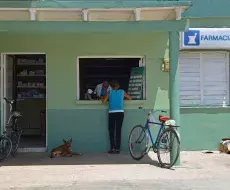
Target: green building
(52, 52)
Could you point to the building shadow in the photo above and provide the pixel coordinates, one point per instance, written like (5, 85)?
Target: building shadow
(33, 159)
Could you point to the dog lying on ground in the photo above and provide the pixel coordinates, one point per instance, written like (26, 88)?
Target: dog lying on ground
(225, 145)
(64, 150)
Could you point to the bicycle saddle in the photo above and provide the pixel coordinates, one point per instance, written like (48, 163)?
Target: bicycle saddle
(17, 114)
(163, 118)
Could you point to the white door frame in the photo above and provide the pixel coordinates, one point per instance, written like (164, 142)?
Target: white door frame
(3, 92)
(3, 85)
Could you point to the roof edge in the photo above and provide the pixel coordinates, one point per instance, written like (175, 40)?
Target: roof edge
(93, 4)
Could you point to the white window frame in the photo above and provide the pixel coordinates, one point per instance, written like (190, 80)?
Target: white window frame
(201, 75)
(141, 64)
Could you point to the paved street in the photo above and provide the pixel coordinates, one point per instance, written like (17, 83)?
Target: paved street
(101, 171)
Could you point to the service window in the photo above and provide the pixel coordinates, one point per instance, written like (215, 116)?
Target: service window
(93, 71)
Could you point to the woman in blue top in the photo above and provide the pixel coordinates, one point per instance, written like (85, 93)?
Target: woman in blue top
(116, 115)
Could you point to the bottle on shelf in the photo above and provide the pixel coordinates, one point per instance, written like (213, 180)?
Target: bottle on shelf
(30, 87)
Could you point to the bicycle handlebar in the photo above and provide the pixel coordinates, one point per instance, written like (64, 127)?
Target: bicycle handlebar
(8, 101)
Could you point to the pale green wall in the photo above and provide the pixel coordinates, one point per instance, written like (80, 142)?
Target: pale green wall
(62, 52)
(87, 124)
(201, 128)
(208, 9)
(65, 118)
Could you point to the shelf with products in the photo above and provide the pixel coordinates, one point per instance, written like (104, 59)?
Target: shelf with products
(28, 61)
(31, 64)
(31, 72)
(29, 90)
(30, 98)
(30, 77)
(42, 87)
(35, 93)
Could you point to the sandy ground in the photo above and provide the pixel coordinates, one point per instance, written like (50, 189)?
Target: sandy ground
(102, 171)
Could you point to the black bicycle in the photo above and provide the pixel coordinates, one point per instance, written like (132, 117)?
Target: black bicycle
(13, 131)
(5, 146)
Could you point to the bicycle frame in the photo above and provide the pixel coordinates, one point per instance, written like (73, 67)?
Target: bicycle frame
(10, 118)
(147, 127)
(166, 125)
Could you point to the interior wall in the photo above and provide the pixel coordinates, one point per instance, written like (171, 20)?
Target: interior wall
(31, 120)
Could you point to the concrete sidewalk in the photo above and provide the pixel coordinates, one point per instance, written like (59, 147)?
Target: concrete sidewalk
(103, 171)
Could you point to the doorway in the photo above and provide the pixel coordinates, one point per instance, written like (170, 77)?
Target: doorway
(23, 79)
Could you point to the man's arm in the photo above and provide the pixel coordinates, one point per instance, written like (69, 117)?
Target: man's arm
(106, 98)
(128, 97)
(109, 88)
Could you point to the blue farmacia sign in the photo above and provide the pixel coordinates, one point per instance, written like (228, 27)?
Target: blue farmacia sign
(206, 38)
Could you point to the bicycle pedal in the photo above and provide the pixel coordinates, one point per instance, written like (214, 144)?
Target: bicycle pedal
(154, 150)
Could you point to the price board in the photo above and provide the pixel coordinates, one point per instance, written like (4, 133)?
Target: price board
(136, 82)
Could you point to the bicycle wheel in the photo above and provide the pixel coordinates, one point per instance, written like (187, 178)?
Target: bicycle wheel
(138, 142)
(168, 141)
(15, 139)
(5, 147)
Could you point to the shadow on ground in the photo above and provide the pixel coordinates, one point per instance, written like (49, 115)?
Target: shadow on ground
(28, 159)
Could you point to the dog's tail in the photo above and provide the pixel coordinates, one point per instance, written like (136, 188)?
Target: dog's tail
(76, 153)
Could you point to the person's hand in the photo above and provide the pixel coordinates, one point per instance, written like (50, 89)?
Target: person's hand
(105, 98)
(102, 97)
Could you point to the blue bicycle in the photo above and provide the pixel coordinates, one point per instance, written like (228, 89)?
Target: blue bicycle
(167, 139)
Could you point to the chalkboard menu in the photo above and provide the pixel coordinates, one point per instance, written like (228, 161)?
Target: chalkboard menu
(136, 83)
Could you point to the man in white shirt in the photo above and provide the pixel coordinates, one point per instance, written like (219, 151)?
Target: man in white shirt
(102, 89)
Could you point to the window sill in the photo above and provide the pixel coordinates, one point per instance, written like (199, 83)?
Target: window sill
(206, 107)
(128, 103)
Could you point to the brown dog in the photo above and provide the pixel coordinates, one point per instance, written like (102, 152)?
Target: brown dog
(64, 150)
(225, 145)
